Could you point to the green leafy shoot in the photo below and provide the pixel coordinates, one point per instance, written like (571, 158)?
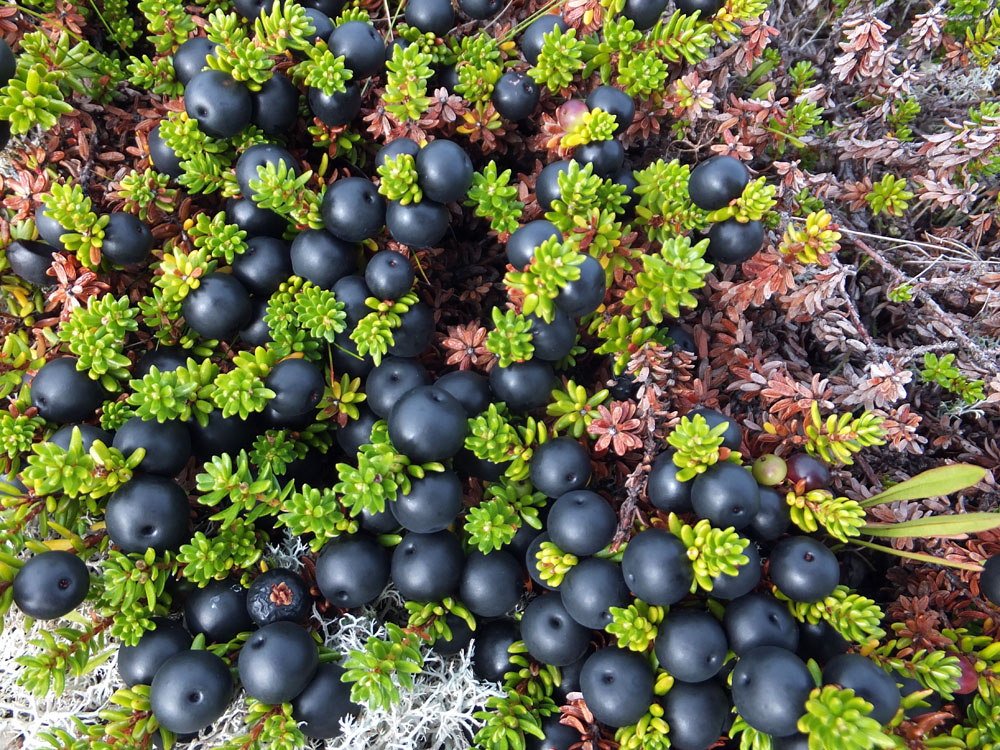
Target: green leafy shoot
(510, 338)
(554, 265)
(399, 179)
(494, 198)
(696, 444)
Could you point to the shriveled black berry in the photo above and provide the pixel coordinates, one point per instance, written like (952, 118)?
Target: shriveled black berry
(278, 594)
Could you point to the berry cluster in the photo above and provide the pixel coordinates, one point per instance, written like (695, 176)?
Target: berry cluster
(291, 391)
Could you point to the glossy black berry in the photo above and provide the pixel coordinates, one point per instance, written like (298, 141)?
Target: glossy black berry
(989, 580)
(278, 594)
(733, 241)
(88, 434)
(645, 13)
(322, 24)
(656, 567)
(717, 181)
(338, 108)
(797, 741)
(867, 680)
(352, 291)
(757, 620)
(396, 147)
(167, 444)
(361, 46)
(324, 702)
(491, 659)
(297, 384)
(221, 434)
(253, 219)
(515, 95)
(606, 157)
(430, 16)
(427, 567)
(683, 340)
(138, 664)
(322, 258)
(617, 685)
(391, 380)
(353, 210)
(220, 105)
(418, 225)
(432, 503)
(358, 431)
(413, 335)
(590, 588)
(389, 275)
(820, 641)
(691, 645)
(62, 393)
(276, 105)
(523, 385)
(773, 516)
(277, 662)
(127, 239)
(585, 294)
(352, 570)
(726, 494)
(218, 307)
(262, 155)
(264, 265)
(444, 171)
(613, 101)
(470, 388)
(525, 240)
(491, 583)
(706, 8)
(550, 634)
(164, 359)
(696, 714)
(219, 610)
(746, 579)
(770, 688)
(581, 522)
(533, 37)
(8, 63)
(49, 230)
(559, 466)
(163, 158)
(192, 57)
(557, 736)
(554, 340)
(733, 435)
(330, 8)
(190, 691)
(427, 424)
(804, 569)
(251, 9)
(148, 511)
(51, 584)
(663, 489)
(31, 260)
(547, 182)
